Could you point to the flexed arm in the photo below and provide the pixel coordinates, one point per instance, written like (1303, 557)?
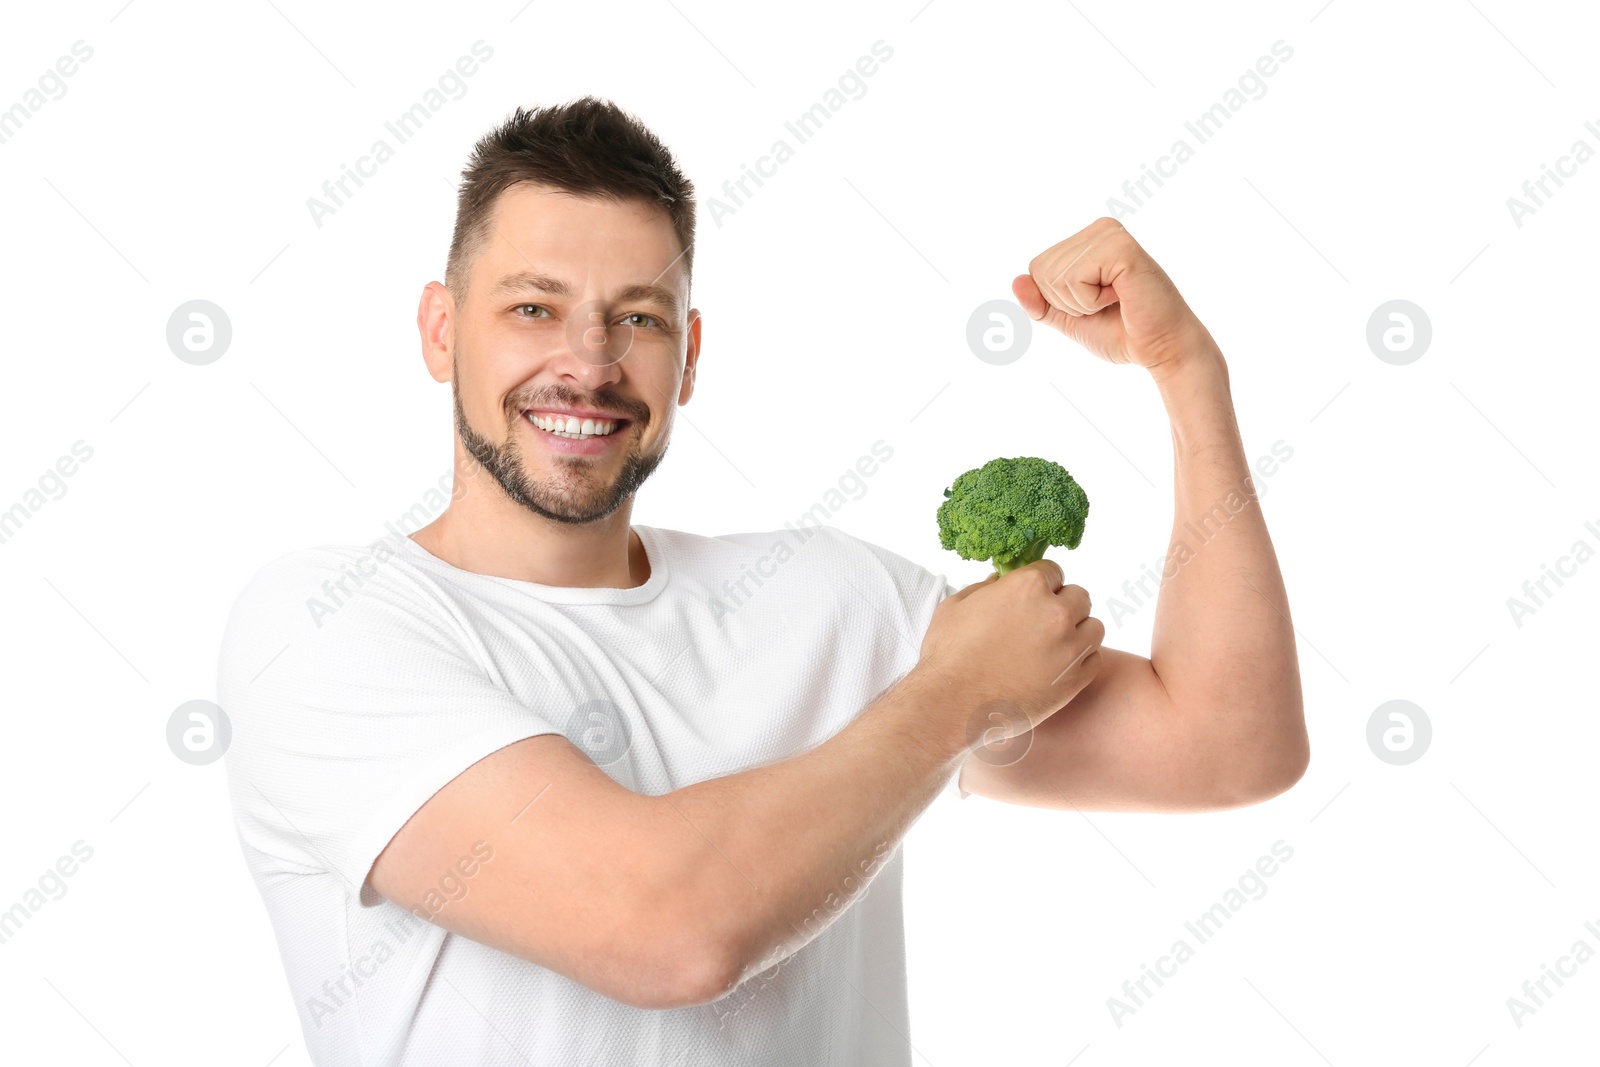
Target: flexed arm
(1214, 717)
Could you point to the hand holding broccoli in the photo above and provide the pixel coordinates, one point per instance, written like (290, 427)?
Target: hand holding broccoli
(1012, 650)
(1029, 643)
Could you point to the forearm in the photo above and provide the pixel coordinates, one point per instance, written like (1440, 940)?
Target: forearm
(1223, 644)
(781, 850)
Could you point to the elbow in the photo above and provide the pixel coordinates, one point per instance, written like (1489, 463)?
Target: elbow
(671, 966)
(705, 974)
(718, 961)
(1280, 778)
(1276, 751)
(1257, 771)
(712, 980)
(663, 980)
(704, 967)
(678, 956)
(1284, 770)
(685, 981)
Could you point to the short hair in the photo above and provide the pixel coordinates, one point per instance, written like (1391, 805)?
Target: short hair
(589, 147)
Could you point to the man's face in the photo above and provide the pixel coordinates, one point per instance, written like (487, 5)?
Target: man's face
(575, 306)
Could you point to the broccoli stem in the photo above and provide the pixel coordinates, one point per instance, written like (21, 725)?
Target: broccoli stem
(1032, 554)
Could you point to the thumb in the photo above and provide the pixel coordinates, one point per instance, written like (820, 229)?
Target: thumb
(1039, 308)
(964, 590)
(1028, 295)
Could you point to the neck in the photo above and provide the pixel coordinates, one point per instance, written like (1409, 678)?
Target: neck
(484, 532)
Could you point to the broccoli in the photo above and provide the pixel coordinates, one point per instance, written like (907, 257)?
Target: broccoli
(1011, 510)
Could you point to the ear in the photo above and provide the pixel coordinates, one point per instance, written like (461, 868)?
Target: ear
(691, 358)
(436, 325)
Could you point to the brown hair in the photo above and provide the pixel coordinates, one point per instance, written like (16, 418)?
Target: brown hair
(588, 147)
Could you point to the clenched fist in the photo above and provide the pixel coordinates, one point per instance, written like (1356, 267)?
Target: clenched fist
(1105, 292)
(1022, 641)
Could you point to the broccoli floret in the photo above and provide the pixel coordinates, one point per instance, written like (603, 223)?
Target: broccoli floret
(1011, 510)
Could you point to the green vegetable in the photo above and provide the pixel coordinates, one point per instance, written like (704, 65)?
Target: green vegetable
(1011, 510)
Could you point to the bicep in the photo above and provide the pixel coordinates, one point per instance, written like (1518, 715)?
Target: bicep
(581, 877)
(1119, 745)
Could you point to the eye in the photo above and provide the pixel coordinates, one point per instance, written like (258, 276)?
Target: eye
(539, 307)
(640, 315)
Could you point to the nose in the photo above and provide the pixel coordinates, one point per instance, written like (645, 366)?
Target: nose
(594, 349)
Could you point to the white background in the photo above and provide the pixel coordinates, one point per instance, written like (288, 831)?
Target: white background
(1418, 498)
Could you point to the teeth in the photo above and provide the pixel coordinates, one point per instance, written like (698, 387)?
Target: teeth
(571, 426)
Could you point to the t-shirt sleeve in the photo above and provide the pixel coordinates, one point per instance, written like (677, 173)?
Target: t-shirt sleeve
(919, 591)
(345, 724)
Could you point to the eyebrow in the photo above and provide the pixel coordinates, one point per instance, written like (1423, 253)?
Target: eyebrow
(532, 280)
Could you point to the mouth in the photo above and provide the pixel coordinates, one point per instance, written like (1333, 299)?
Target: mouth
(575, 427)
(573, 434)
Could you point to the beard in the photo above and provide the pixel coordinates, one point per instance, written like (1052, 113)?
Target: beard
(575, 493)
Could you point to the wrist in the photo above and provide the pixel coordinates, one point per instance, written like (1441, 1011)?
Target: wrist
(1193, 345)
(1199, 404)
(936, 713)
(1201, 369)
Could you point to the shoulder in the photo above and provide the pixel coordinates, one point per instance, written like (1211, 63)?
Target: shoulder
(912, 581)
(827, 555)
(324, 559)
(297, 580)
(824, 547)
(333, 598)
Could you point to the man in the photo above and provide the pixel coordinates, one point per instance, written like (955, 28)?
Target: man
(515, 789)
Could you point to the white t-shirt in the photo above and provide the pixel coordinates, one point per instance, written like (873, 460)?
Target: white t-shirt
(359, 680)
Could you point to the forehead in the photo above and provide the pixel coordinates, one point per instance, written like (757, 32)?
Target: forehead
(579, 238)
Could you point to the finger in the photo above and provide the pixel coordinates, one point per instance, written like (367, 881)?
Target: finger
(1090, 295)
(1078, 600)
(1051, 279)
(1070, 279)
(1085, 280)
(1044, 270)
(1085, 655)
(1037, 307)
(1051, 571)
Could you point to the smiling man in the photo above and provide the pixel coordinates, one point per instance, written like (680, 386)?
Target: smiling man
(527, 797)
